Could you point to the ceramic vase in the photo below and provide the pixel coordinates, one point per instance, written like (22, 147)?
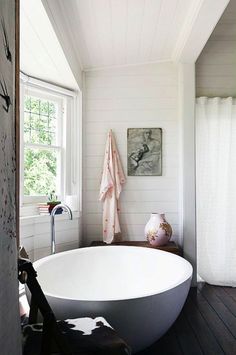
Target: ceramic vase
(157, 230)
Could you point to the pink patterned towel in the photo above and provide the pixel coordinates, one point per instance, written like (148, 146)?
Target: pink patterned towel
(111, 185)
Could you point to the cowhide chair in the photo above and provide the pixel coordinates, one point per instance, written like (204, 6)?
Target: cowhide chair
(81, 336)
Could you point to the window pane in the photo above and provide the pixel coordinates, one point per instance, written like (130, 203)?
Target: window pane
(31, 104)
(40, 121)
(40, 169)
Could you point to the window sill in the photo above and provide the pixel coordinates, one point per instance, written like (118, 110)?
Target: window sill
(26, 220)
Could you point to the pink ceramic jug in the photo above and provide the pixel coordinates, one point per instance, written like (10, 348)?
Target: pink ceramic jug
(157, 230)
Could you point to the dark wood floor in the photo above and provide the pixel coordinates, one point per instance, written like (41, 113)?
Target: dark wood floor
(207, 325)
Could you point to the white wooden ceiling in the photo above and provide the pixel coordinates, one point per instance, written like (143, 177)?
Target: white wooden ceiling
(93, 34)
(41, 55)
(123, 32)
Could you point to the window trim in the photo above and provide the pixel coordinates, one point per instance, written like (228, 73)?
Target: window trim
(71, 109)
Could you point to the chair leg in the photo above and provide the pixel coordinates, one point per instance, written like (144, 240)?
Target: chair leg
(51, 332)
(46, 344)
(61, 342)
(33, 314)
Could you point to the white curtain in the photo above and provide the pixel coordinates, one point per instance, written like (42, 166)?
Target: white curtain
(216, 189)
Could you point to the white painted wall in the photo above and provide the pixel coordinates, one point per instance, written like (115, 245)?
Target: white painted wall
(121, 98)
(187, 162)
(35, 234)
(215, 67)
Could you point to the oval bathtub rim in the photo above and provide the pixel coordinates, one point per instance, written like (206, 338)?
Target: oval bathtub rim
(38, 262)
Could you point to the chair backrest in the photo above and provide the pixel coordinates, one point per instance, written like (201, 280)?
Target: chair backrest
(27, 275)
(103, 340)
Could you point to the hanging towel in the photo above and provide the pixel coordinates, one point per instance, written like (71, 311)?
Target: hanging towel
(111, 185)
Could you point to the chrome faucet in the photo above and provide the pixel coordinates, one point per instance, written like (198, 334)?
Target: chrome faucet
(54, 210)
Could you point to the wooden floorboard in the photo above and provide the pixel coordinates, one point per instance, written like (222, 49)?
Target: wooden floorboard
(222, 311)
(201, 329)
(167, 345)
(231, 292)
(228, 301)
(218, 328)
(170, 344)
(186, 337)
(206, 325)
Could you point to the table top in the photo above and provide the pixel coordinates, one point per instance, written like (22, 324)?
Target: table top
(169, 247)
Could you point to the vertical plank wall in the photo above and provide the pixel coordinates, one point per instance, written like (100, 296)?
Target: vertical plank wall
(36, 234)
(121, 98)
(9, 295)
(215, 67)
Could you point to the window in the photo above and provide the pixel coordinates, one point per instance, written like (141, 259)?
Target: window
(43, 144)
(48, 135)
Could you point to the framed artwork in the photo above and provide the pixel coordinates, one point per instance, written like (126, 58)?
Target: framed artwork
(144, 151)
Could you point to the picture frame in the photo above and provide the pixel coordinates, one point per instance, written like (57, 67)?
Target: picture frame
(144, 151)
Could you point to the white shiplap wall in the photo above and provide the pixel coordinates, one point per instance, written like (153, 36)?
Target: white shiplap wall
(216, 66)
(35, 234)
(121, 98)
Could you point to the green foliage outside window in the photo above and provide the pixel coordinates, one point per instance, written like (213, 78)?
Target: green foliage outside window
(39, 121)
(40, 165)
(39, 172)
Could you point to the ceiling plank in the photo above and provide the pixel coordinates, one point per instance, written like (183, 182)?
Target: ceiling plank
(134, 29)
(41, 54)
(150, 20)
(56, 15)
(176, 26)
(102, 22)
(119, 11)
(200, 22)
(163, 31)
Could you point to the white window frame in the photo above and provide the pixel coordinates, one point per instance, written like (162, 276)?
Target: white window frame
(69, 131)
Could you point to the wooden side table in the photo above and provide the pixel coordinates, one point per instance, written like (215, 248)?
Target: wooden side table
(170, 247)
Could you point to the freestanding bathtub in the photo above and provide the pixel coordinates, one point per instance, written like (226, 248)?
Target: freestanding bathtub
(139, 291)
